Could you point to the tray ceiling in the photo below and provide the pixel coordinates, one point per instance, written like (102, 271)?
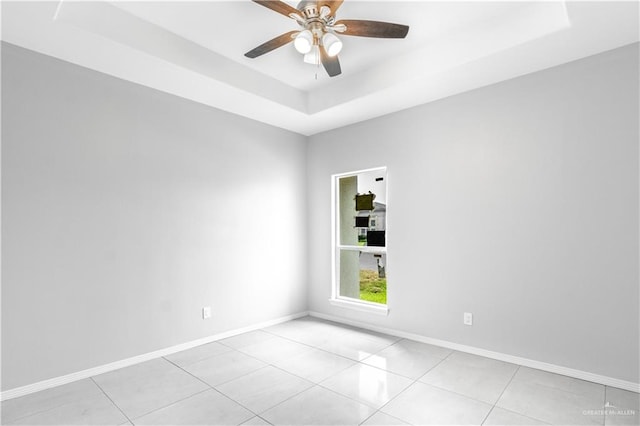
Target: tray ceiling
(196, 50)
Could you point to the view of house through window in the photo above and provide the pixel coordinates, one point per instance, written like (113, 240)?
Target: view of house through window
(361, 253)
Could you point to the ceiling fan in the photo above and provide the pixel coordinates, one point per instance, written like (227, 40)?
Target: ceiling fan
(317, 39)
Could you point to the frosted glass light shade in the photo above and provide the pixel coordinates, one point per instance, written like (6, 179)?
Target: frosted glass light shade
(332, 44)
(313, 57)
(303, 42)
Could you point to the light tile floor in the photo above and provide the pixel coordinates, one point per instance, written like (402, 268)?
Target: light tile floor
(308, 371)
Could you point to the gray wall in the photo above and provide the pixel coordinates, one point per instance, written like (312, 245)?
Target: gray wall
(517, 202)
(126, 210)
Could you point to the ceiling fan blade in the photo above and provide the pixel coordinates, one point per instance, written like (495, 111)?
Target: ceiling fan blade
(356, 27)
(278, 6)
(330, 63)
(334, 5)
(272, 44)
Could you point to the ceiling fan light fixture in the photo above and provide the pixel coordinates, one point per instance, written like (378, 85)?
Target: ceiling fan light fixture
(332, 44)
(313, 57)
(303, 42)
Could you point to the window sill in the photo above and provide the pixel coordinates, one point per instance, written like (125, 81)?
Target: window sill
(361, 306)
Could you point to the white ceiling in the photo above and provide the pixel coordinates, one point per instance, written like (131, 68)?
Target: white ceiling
(233, 28)
(196, 50)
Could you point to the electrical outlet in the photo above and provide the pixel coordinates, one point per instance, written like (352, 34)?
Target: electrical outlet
(206, 312)
(468, 318)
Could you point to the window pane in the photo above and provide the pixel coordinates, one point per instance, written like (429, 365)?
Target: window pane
(362, 200)
(363, 276)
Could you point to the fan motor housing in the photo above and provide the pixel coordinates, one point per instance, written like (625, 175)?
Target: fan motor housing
(309, 9)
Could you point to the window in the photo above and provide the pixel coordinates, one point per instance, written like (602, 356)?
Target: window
(360, 235)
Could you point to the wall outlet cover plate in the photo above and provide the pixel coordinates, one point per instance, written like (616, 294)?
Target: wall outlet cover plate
(206, 312)
(468, 318)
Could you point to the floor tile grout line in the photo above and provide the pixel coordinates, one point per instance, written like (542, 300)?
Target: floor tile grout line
(409, 350)
(214, 389)
(386, 371)
(355, 361)
(221, 341)
(240, 376)
(239, 403)
(556, 388)
(266, 364)
(414, 381)
(312, 384)
(456, 393)
(40, 411)
(332, 391)
(192, 375)
(378, 411)
(263, 419)
(391, 399)
(285, 400)
(205, 358)
(340, 327)
(501, 393)
(215, 356)
(487, 415)
(327, 351)
(362, 364)
(170, 404)
(461, 394)
(368, 417)
(565, 377)
(2, 420)
(318, 384)
(179, 400)
(367, 357)
(239, 350)
(299, 343)
(524, 415)
(304, 378)
(350, 397)
(110, 399)
(269, 362)
(417, 380)
(351, 359)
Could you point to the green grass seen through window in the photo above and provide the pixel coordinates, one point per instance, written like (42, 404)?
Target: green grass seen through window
(373, 288)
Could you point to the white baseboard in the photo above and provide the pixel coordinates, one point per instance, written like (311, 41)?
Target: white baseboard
(552, 368)
(62, 380)
(68, 378)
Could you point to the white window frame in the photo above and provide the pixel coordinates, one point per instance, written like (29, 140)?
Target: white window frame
(336, 247)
